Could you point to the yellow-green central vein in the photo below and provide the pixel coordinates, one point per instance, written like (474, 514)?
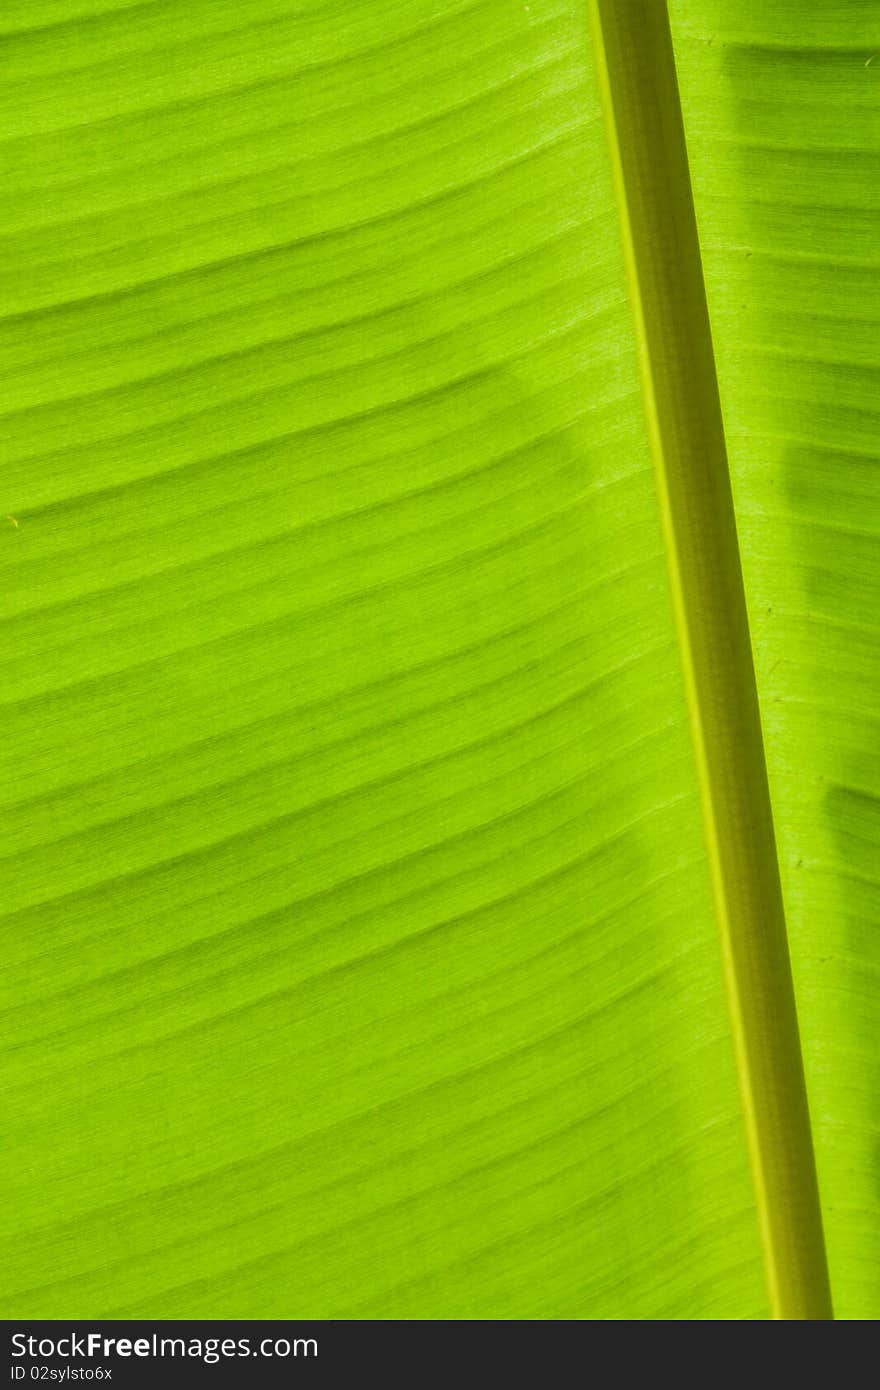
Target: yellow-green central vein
(636, 69)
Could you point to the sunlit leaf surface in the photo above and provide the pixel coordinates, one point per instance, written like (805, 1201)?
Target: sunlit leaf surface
(360, 950)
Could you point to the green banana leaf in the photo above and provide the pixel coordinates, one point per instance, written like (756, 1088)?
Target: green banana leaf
(360, 933)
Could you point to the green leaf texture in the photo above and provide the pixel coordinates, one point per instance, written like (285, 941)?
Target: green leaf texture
(361, 958)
